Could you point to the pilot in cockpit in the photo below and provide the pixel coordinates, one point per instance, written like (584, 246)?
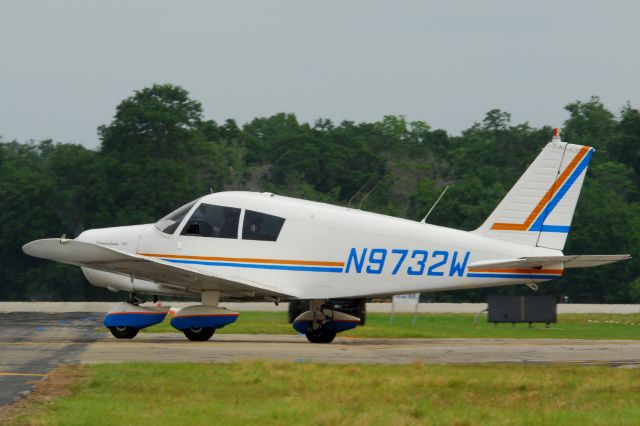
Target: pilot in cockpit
(229, 226)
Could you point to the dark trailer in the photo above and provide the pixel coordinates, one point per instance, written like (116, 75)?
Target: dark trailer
(530, 309)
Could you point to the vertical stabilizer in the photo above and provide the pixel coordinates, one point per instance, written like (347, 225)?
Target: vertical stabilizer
(538, 210)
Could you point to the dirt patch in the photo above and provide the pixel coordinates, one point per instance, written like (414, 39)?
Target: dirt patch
(58, 383)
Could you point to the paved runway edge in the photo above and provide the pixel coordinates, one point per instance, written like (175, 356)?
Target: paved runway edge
(31, 344)
(100, 307)
(171, 347)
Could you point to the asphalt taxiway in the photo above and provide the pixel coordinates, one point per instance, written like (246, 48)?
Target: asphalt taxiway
(31, 344)
(173, 347)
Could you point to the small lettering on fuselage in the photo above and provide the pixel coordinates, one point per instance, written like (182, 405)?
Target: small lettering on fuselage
(111, 243)
(435, 263)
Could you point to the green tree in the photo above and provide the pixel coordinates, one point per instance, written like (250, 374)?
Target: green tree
(46, 190)
(625, 146)
(155, 155)
(154, 122)
(590, 123)
(606, 222)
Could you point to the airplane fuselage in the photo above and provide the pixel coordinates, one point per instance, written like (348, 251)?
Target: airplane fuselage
(325, 251)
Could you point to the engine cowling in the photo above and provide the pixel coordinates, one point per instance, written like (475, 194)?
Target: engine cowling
(117, 282)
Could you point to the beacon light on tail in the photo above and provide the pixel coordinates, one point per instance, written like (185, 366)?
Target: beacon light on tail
(261, 246)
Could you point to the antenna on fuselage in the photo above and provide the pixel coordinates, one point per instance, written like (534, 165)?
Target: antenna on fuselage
(211, 189)
(357, 192)
(424, 219)
(369, 193)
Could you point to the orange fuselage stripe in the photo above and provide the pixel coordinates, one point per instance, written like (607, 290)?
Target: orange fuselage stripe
(546, 198)
(247, 260)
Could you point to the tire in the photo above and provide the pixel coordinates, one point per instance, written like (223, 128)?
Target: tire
(125, 332)
(199, 334)
(321, 336)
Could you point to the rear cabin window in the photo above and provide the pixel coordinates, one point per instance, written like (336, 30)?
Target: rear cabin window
(260, 226)
(213, 221)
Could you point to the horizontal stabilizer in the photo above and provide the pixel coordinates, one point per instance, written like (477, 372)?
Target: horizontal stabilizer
(575, 261)
(106, 259)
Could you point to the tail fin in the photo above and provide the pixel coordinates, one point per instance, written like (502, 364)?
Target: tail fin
(538, 210)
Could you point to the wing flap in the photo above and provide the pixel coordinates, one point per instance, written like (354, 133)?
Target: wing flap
(574, 261)
(80, 253)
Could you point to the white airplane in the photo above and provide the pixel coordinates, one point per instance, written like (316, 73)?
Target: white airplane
(244, 245)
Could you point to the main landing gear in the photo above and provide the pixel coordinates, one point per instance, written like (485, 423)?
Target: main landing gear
(321, 324)
(124, 332)
(198, 322)
(199, 334)
(126, 318)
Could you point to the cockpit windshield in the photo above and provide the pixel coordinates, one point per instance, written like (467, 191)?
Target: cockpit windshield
(170, 222)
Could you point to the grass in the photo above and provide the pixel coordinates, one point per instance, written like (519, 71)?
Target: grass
(256, 392)
(570, 326)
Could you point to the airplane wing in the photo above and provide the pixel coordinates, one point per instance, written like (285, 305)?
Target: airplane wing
(106, 259)
(574, 261)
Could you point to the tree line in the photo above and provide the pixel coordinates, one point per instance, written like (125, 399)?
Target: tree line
(159, 152)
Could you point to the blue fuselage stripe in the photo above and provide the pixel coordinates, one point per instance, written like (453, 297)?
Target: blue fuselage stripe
(258, 266)
(339, 270)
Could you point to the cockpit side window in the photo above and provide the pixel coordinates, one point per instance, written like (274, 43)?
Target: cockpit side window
(209, 220)
(170, 222)
(260, 226)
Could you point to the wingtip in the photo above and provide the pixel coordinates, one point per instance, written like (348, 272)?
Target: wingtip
(34, 248)
(29, 247)
(43, 248)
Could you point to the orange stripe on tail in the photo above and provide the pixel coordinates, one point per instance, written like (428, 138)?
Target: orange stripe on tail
(546, 198)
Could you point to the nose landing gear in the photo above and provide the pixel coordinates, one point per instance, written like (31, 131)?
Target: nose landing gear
(321, 335)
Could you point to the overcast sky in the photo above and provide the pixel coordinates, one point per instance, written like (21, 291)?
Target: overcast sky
(65, 65)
